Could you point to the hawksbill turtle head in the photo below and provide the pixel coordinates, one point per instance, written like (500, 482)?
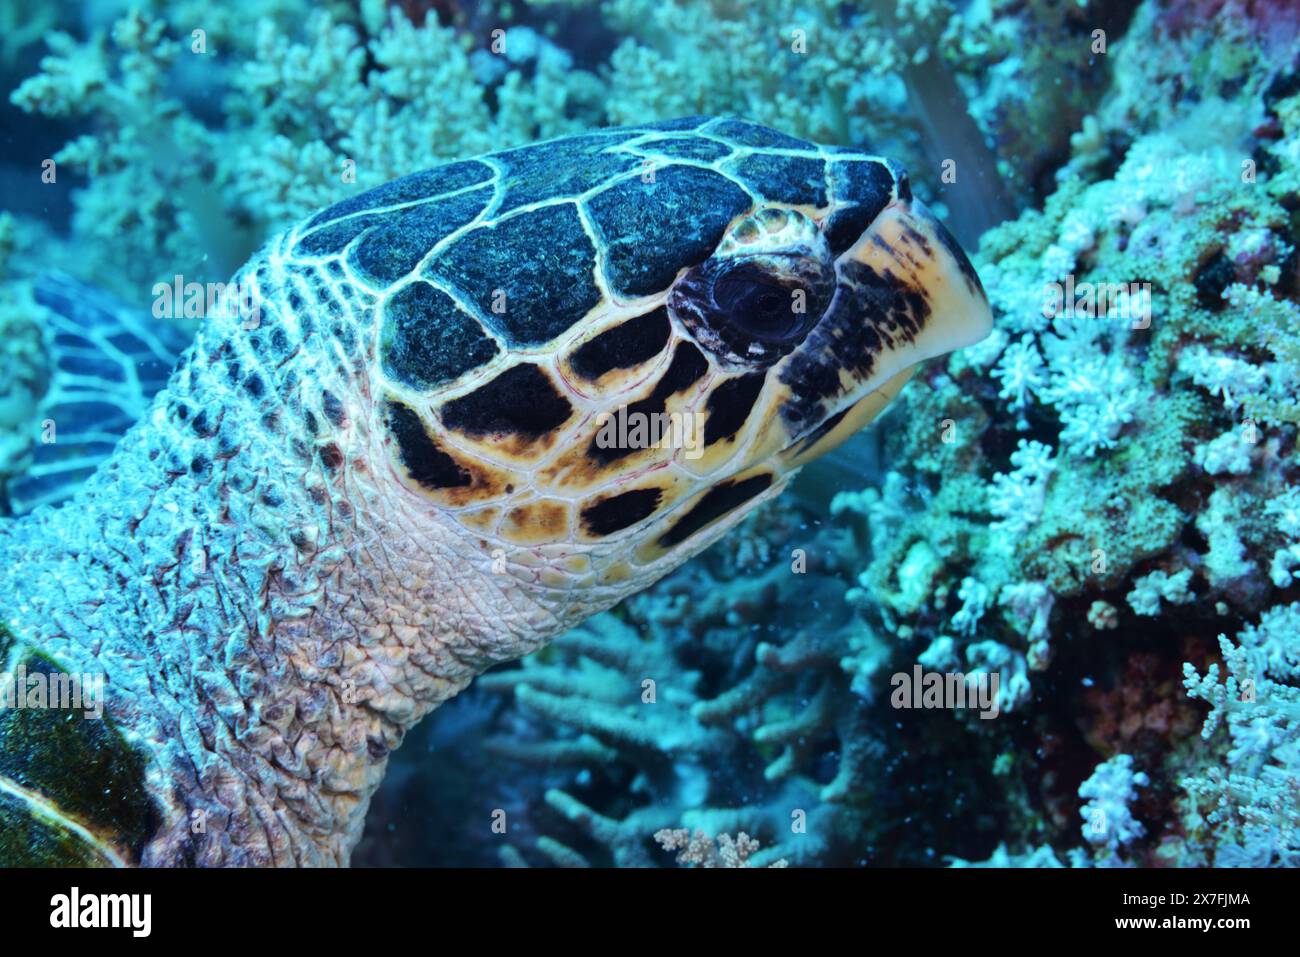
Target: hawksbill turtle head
(475, 406)
(594, 355)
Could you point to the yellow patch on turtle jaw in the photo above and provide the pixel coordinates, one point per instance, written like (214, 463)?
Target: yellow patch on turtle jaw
(481, 519)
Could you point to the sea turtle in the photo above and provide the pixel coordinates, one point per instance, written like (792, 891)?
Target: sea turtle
(417, 455)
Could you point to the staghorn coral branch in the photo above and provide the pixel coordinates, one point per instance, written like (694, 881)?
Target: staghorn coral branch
(582, 751)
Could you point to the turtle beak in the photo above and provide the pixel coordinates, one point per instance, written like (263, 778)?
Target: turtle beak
(907, 292)
(920, 258)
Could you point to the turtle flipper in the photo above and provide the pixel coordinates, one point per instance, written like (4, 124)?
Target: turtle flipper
(72, 789)
(107, 362)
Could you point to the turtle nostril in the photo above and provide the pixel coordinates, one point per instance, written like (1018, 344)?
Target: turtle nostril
(902, 183)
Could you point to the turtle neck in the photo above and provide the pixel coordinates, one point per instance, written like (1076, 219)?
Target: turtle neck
(270, 611)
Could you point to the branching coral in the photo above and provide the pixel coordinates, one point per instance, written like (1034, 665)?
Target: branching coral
(617, 701)
(1137, 456)
(699, 850)
(1109, 823)
(1248, 809)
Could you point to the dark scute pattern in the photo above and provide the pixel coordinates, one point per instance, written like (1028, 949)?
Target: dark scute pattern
(520, 401)
(751, 134)
(81, 765)
(423, 185)
(428, 339)
(38, 487)
(875, 311)
(687, 367)
(126, 342)
(566, 167)
(729, 406)
(332, 239)
(635, 341)
(783, 179)
(620, 511)
(717, 502)
(651, 231)
(427, 464)
(846, 225)
(91, 415)
(862, 188)
(865, 182)
(542, 260)
(820, 432)
(687, 147)
(108, 337)
(680, 123)
(402, 239)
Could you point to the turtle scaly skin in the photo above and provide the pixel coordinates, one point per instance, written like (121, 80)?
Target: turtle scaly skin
(335, 516)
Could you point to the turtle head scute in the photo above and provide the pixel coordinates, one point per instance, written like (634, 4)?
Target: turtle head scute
(623, 356)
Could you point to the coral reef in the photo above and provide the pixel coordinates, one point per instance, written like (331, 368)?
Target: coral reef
(1147, 495)
(1108, 820)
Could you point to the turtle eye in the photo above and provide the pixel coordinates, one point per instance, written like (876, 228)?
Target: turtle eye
(751, 310)
(770, 308)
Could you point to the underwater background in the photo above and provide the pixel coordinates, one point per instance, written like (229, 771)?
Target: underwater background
(1102, 509)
